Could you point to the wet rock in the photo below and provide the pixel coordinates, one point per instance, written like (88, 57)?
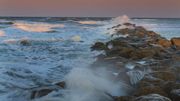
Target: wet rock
(153, 34)
(148, 80)
(61, 84)
(123, 52)
(124, 98)
(25, 42)
(164, 42)
(160, 76)
(125, 31)
(152, 97)
(175, 95)
(40, 92)
(169, 86)
(129, 24)
(99, 46)
(176, 42)
(118, 42)
(164, 75)
(150, 90)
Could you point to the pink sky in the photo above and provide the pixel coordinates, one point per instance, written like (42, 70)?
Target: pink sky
(133, 8)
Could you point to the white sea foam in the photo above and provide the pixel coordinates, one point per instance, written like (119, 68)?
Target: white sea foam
(76, 38)
(90, 22)
(83, 84)
(36, 27)
(88, 85)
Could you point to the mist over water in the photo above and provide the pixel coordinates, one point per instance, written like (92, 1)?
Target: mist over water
(40, 52)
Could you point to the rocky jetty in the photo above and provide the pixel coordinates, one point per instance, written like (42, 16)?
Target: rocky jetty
(150, 62)
(146, 61)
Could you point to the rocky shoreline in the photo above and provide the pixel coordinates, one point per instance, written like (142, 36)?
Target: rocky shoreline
(150, 64)
(154, 62)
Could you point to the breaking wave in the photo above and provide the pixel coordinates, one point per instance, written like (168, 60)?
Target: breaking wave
(121, 20)
(89, 22)
(84, 84)
(37, 27)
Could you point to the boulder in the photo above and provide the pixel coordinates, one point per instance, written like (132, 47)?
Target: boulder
(25, 42)
(175, 95)
(125, 31)
(124, 98)
(164, 42)
(176, 42)
(169, 86)
(99, 46)
(43, 91)
(152, 97)
(164, 75)
(61, 84)
(148, 80)
(40, 92)
(150, 90)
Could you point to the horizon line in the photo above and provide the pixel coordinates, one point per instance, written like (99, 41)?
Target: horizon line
(89, 17)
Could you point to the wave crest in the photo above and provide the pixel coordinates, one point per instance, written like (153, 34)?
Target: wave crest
(36, 27)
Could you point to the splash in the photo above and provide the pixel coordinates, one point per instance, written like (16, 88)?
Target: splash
(84, 84)
(37, 27)
(121, 19)
(2, 33)
(76, 38)
(89, 85)
(119, 23)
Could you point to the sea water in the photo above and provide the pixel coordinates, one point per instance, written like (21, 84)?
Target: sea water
(53, 48)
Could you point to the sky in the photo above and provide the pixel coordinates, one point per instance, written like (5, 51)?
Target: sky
(91, 8)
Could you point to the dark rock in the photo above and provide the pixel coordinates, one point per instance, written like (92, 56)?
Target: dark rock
(99, 46)
(164, 75)
(125, 31)
(61, 84)
(169, 86)
(152, 97)
(175, 95)
(150, 90)
(129, 24)
(124, 98)
(40, 93)
(148, 80)
(25, 42)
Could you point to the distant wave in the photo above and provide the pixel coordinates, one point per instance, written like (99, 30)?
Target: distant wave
(37, 27)
(75, 38)
(89, 22)
(5, 22)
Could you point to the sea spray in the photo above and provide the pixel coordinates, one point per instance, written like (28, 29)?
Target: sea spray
(88, 85)
(121, 20)
(85, 84)
(118, 23)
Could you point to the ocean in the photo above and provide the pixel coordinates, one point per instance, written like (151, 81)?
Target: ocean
(40, 51)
